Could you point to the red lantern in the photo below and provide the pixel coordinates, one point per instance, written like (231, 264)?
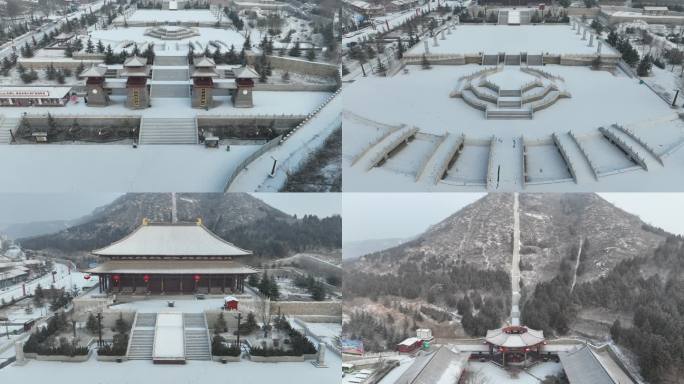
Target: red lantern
(116, 278)
(146, 278)
(87, 277)
(197, 278)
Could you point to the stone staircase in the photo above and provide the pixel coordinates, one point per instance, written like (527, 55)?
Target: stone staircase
(168, 131)
(140, 345)
(196, 336)
(509, 113)
(7, 124)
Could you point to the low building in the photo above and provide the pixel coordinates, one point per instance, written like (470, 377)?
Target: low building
(442, 366)
(365, 8)
(171, 258)
(410, 345)
(401, 5)
(34, 96)
(586, 366)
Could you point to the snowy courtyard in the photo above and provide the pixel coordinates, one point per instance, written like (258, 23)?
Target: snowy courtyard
(533, 39)
(381, 151)
(193, 372)
(122, 36)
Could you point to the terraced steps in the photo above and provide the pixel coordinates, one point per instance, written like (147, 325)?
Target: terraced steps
(508, 113)
(168, 131)
(141, 342)
(196, 337)
(7, 124)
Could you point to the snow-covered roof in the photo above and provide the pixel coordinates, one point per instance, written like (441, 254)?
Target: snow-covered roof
(94, 71)
(582, 366)
(135, 61)
(34, 92)
(204, 62)
(230, 298)
(443, 366)
(161, 267)
(514, 337)
(246, 72)
(410, 341)
(158, 239)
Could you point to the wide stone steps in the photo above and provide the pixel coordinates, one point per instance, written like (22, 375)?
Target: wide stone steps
(141, 344)
(168, 131)
(196, 337)
(509, 93)
(7, 124)
(146, 320)
(494, 113)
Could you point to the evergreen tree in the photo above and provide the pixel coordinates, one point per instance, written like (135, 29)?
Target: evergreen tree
(27, 50)
(380, 68)
(100, 47)
(90, 48)
(311, 55)
(220, 325)
(644, 67)
(91, 324)
(274, 291)
(248, 43)
(295, 51)
(109, 58)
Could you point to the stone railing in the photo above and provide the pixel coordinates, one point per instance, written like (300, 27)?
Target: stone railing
(624, 146)
(594, 168)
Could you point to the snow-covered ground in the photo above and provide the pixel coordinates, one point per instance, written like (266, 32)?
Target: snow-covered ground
(159, 15)
(181, 304)
(492, 39)
(116, 36)
(116, 168)
(193, 372)
(291, 153)
(64, 278)
(420, 98)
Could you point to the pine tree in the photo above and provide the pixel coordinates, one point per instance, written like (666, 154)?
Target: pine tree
(400, 48)
(295, 51)
(644, 67)
(60, 77)
(220, 325)
(90, 48)
(109, 58)
(311, 55)
(274, 291)
(380, 68)
(100, 47)
(91, 324)
(248, 43)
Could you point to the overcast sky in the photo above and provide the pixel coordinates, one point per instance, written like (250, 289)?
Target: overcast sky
(402, 215)
(320, 204)
(26, 208)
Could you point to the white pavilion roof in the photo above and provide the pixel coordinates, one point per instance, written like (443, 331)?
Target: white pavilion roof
(524, 337)
(246, 72)
(155, 239)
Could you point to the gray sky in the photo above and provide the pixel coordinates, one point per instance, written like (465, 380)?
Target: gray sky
(401, 215)
(397, 215)
(28, 207)
(320, 204)
(31, 207)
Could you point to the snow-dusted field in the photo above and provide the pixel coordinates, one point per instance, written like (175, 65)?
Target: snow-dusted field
(492, 39)
(115, 168)
(420, 98)
(159, 15)
(193, 372)
(227, 37)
